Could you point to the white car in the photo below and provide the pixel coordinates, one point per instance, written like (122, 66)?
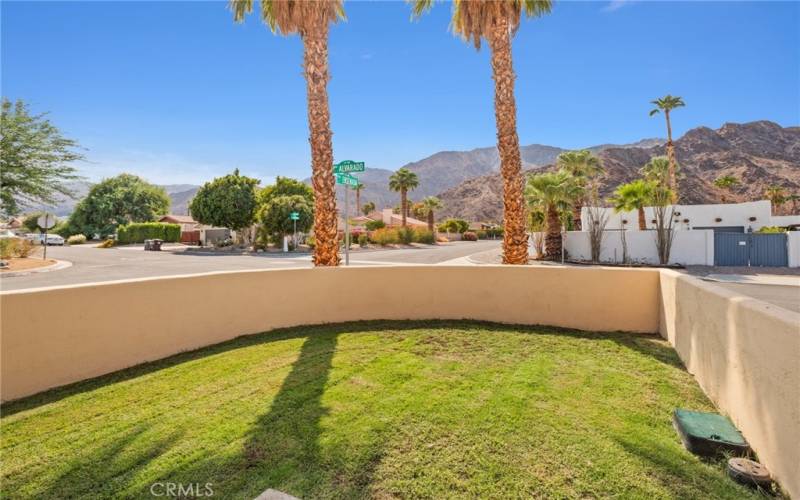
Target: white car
(52, 239)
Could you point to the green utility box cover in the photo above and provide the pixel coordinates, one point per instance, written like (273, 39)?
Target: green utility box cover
(708, 434)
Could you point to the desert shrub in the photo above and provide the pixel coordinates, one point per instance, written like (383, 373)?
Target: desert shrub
(454, 226)
(384, 237)
(107, 243)
(771, 229)
(424, 236)
(363, 240)
(76, 239)
(24, 248)
(7, 247)
(137, 232)
(496, 232)
(469, 236)
(16, 247)
(311, 241)
(374, 225)
(482, 235)
(405, 235)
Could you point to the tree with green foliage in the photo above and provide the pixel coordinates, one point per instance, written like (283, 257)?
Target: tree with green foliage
(726, 183)
(275, 215)
(634, 196)
(776, 195)
(556, 192)
(285, 186)
(228, 201)
(403, 181)
(119, 200)
(454, 226)
(667, 104)
(34, 159)
(658, 170)
(585, 167)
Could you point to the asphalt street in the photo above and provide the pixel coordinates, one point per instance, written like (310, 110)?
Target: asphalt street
(93, 265)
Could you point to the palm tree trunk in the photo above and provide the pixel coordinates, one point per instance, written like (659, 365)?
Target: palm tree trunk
(358, 200)
(673, 181)
(642, 221)
(403, 202)
(515, 239)
(315, 65)
(576, 215)
(430, 220)
(552, 242)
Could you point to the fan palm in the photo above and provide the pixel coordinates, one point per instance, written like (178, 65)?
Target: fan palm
(776, 195)
(667, 104)
(358, 188)
(311, 19)
(430, 204)
(634, 196)
(657, 170)
(497, 21)
(584, 166)
(556, 192)
(725, 183)
(368, 208)
(403, 181)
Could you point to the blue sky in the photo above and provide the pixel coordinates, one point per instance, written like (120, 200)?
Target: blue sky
(178, 93)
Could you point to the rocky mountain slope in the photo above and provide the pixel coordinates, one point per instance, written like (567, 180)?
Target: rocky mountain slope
(758, 153)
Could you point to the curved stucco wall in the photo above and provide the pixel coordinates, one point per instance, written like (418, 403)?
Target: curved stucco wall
(51, 337)
(745, 354)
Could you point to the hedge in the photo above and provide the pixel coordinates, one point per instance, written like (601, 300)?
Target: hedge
(137, 232)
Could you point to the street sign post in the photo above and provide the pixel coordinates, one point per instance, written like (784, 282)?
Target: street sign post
(342, 171)
(46, 221)
(346, 166)
(294, 216)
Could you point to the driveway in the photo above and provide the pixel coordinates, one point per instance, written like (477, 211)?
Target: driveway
(780, 290)
(92, 265)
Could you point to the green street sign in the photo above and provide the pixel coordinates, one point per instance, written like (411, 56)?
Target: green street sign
(348, 166)
(294, 216)
(346, 179)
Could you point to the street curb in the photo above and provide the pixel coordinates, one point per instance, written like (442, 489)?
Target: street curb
(57, 266)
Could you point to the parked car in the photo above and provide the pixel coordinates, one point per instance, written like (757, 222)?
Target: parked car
(52, 239)
(7, 234)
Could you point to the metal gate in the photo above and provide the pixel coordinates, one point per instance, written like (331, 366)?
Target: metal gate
(750, 249)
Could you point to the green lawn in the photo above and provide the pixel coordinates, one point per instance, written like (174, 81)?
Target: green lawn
(379, 409)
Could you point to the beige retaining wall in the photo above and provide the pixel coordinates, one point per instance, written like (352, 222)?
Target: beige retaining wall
(52, 337)
(745, 354)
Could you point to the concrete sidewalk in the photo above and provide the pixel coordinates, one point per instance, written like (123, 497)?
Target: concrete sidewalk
(754, 279)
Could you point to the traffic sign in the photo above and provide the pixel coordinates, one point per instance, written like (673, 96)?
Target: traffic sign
(348, 166)
(294, 216)
(46, 221)
(346, 179)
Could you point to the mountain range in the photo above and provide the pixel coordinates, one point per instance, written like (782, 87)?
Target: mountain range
(759, 154)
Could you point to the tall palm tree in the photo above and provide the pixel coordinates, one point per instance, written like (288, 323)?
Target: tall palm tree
(403, 181)
(556, 192)
(430, 204)
(584, 166)
(667, 104)
(310, 19)
(776, 195)
(634, 196)
(793, 198)
(358, 188)
(725, 183)
(497, 21)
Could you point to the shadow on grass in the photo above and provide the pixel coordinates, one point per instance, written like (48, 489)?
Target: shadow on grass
(639, 342)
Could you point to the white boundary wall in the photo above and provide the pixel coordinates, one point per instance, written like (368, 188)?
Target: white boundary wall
(793, 238)
(688, 247)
